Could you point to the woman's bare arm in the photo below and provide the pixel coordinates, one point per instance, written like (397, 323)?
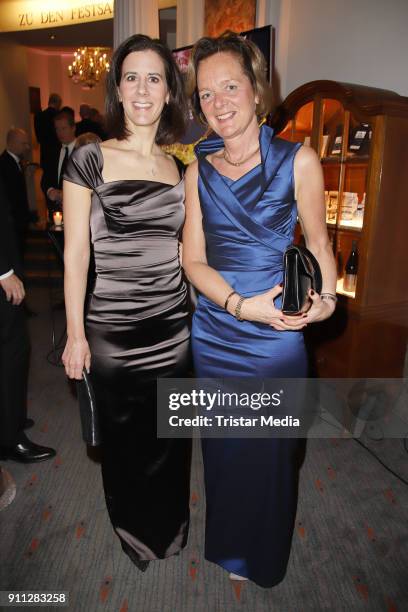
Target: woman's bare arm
(76, 206)
(309, 193)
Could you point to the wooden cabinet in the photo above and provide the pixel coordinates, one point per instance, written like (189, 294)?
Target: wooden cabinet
(361, 136)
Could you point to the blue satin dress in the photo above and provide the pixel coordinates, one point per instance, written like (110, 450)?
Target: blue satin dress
(251, 484)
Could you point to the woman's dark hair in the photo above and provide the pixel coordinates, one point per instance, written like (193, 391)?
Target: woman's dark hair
(252, 61)
(173, 118)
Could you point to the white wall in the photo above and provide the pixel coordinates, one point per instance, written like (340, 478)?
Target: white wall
(354, 41)
(49, 72)
(21, 68)
(14, 102)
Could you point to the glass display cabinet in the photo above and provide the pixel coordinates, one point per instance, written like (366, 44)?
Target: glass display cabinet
(361, 136)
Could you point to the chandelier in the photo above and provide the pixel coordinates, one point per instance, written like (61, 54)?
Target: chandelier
(88, 66)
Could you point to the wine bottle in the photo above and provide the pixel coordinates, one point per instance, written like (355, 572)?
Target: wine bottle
(338, 141)
(340, 271)
(359, 139)
(350, 277)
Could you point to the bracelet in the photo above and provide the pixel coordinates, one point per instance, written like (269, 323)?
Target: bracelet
(237, 312)
(228, 298)
(327, 293)
(328, 296)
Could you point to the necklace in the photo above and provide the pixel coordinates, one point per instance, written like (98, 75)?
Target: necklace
(240, 163)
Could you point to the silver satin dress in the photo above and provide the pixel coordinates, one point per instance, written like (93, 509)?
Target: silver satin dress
(137, 328)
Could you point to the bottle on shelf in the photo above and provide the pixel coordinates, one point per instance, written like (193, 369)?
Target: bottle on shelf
(360, 139)
(340, 269)
(350, 277)
(337, 141)
(359, 214)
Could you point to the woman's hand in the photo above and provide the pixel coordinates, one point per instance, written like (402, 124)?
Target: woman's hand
(261, 309)
(75, 357)
(319, 311)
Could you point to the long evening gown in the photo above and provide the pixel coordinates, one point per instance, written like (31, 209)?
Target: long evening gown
(251, 484)
(137, 330)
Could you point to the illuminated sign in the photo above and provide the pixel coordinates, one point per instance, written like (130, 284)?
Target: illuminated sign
(16, 16)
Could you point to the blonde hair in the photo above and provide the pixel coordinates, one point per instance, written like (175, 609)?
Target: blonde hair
(251, 59)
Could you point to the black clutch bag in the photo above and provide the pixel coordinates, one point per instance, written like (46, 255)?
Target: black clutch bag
(87, 410)
(301, 273)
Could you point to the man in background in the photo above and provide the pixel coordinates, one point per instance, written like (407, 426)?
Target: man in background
(68, 110)
(99, 119)
(45, 129)
(12, 174)
(14, 350)
(51, 182)
(87, 124)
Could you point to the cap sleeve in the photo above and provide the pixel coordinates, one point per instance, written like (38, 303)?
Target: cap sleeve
(83, 167)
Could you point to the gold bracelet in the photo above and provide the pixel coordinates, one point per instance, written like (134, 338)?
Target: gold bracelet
(237, 312)
(228, 298)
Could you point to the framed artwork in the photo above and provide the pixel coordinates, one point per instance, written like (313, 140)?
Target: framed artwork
(34, 99)
(221, 15)
(262, 37)
(182, 57)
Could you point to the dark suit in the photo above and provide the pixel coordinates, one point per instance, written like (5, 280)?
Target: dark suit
(50, 174)
(50, 179)
(16, 193)
(45, 134)
(14, 339)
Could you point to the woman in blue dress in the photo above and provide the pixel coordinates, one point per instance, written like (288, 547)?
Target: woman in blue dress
(243, 196)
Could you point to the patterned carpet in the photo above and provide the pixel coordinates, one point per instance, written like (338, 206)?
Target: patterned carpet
(350, 548)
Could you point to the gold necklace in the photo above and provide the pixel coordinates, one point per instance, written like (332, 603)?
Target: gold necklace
(236, 164)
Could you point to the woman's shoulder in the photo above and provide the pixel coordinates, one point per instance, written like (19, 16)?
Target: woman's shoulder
(84, 166)
(306, 157)
(296, 152)
(86, 152)
(192, 170)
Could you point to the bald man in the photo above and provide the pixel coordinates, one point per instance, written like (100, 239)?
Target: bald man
(12, 174)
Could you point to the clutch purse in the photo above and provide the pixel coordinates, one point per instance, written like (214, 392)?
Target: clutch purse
(301, 273)
(87, 410)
